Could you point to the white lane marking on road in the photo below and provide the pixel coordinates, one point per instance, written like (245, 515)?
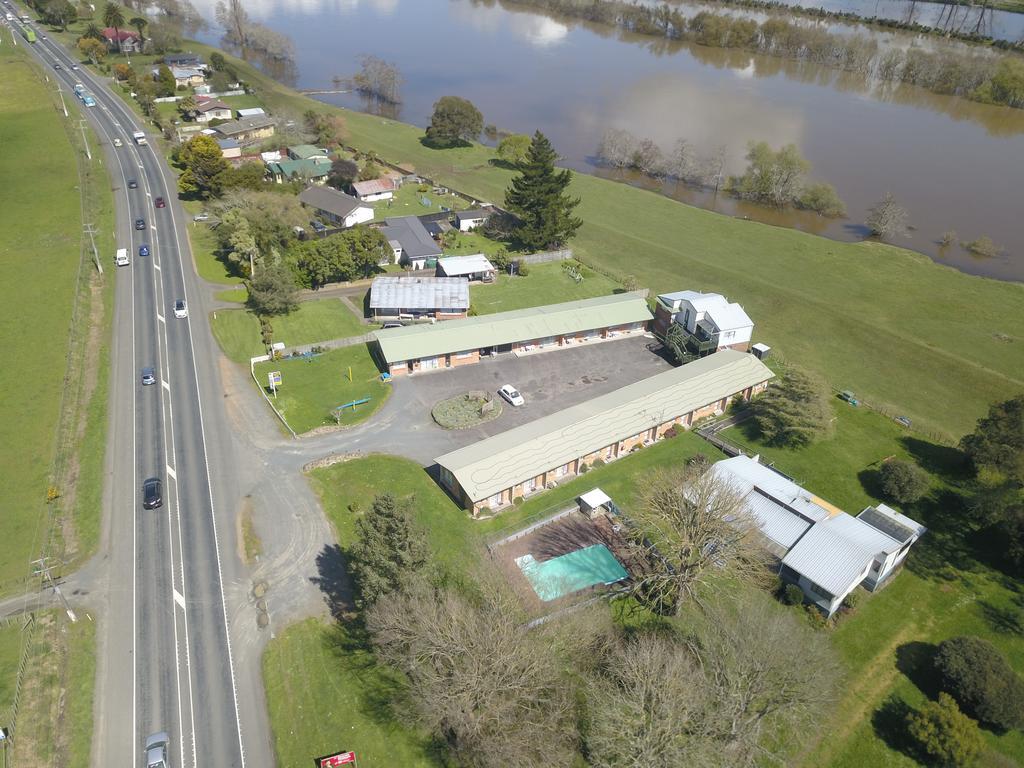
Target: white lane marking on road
(156, 266)
(166, 385)
(160, 318)
(170, 471)
(179, 598)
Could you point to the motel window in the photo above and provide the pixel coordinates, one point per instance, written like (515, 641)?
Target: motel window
(463, 355)
(494, 501)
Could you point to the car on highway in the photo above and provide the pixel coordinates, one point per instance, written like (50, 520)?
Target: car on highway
(511, 394)
(118, 142)
(156, 750)
(152, 493)
(148, 375)
(160, 203)
(143, 250)
(74, 67)
(180, 309)
(140, 223)
(133, 184)
(57, 66)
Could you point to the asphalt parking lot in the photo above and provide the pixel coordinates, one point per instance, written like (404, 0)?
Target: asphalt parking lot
(549, 382)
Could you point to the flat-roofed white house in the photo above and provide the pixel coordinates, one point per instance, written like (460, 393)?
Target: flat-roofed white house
(822, 549)
(419, 348)
(474, 268)
(251, 112)
(442, 298)
(709, 320)
(492, 473)
(472, 218)
(335, 207)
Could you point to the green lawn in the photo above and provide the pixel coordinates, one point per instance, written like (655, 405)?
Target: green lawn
(236, 295)
(312, 388)
(545, 284)
(942, 592)
(204, 251)
(238, 330)
(407, 202)
(465, 243)
(40, 253)
(10, 656)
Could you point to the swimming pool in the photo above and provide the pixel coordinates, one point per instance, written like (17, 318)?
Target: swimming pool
(570, 573)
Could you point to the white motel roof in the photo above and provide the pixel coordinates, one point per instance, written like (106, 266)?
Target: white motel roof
(393, 292)
(424, 341)
(499, 462)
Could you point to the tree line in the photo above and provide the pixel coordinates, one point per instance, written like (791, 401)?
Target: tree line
(996, 80)
(772, 177)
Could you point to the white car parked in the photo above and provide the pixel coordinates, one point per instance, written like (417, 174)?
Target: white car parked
(511, 394)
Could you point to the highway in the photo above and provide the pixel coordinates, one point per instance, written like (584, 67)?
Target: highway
(166, 661)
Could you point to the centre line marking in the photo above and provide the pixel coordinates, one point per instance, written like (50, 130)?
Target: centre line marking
(170, 471)
(166, 385)
(160, 318)
(179, 598)
(156, 266)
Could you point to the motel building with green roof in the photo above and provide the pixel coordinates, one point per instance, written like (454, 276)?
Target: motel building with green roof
(453, 343)
(490, 474)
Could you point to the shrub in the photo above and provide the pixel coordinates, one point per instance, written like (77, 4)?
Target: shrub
(903, 481)
(793, 595)
(795, 411)
(852, 600)
(948, 238)
(584, 468)
(944, 733)
(598, 462)
(484, 511)
(975, 673)
(522, 268)
(518, 501)
(817, 619)
(822, 199)
(983, 247)
(500, 260)
(472, 311)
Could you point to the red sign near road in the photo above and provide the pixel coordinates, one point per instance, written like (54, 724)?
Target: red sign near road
(342, 758)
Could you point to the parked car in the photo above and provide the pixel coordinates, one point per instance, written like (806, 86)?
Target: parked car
(156, 750)
(140, 223)
(160, 203)
(511, 394)
(180, 309)
(118, 142)
(148, 375)
(133, 184)
(200, 217)
(318, 226)
(152, 493)
(143, 250)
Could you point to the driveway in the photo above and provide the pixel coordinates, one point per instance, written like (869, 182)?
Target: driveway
(549, 381)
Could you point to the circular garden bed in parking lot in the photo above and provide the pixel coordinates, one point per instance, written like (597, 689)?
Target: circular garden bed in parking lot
(466, 410)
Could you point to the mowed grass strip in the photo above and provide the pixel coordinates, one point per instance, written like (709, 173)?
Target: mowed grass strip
(238, 330)
(312, 387)
(10, 657)
(543, 284)
(39, 260)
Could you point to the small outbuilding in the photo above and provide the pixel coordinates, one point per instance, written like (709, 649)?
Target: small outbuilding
(472, 218)
(475, 268)
(374, 189)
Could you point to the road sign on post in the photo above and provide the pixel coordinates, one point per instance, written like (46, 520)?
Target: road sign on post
(274, 379)
(341, 758)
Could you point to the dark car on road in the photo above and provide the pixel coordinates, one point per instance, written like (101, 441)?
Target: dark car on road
(143, 250)
(152, 493)
(160, 203)
(140, 223)
(133, 184)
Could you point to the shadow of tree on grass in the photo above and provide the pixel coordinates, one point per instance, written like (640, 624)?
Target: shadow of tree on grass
(916, 660)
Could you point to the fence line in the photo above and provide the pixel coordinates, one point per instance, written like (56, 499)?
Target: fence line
(348, 341)
(530, 528)
(543, 257)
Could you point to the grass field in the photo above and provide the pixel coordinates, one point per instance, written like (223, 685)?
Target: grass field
(407, 202)
(40, 253)
(312, 388)
(238, 330)
(10, 656)
(904, 333)
(545, 284)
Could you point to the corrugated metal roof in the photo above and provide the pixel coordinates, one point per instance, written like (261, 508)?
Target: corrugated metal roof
(416, 342)
(392, 292)
(829, 559)
(511, 457)
(745, 473)
(453, 266)
(373, 186)
(775, 521)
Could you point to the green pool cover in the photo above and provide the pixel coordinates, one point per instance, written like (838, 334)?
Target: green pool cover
(569, 573)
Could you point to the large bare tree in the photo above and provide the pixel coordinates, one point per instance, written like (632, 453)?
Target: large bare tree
(479, 679)
(697, 536)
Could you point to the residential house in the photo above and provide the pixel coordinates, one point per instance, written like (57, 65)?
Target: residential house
(124, 40)
(474, 268)
(374, 189)
(283, 171)
(412, 245)
(229, 148)
(188, 76)
(520, 332)
(472, 218)
(251, 112)
(212, 109)
(248, 130)
(822, 549)
(184, 60)
(335, 207)
(708, 320)
(493, 473)
(308, 152)
(442, 298)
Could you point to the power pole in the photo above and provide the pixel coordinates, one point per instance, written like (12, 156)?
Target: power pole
(44, 570)
(62, 104)
(85, 141)
(90, 230)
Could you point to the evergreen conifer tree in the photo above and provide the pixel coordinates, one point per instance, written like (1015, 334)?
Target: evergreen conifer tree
(537, 196)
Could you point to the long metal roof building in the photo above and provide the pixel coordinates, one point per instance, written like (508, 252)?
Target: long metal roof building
(394, 292)
(417, 342)
(499, 462)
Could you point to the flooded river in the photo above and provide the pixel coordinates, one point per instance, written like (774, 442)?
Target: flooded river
(954, 164)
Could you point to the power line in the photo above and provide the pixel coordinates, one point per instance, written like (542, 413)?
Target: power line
(90, 230)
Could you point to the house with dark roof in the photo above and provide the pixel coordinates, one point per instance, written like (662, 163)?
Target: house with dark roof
(229, 148)
(412, 244)
(212, 109)
(184, 60)
(247, 130)
(335, 207)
